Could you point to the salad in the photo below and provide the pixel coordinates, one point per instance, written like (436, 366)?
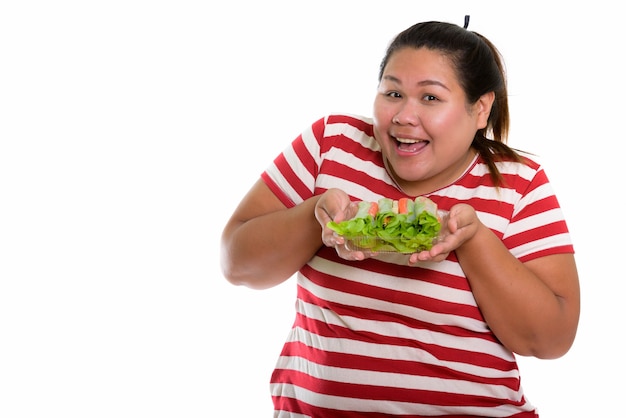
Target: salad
(405, 225)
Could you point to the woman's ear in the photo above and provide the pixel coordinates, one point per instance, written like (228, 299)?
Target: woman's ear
(483, 108)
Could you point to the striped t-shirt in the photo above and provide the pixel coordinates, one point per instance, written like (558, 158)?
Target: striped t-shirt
(379, 338)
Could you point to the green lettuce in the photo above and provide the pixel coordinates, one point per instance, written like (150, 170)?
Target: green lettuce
(390, 231)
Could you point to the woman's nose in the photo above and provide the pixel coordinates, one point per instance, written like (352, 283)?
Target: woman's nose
(407, 115)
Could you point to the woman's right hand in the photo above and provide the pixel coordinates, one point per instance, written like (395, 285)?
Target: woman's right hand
(335, 205)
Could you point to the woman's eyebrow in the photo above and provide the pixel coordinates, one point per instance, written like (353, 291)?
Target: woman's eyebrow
(432, 83)
(427, 82)
(392, 79)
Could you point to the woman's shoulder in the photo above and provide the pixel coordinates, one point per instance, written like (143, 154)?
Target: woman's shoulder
(521, 161)
(350, 121)
(345, 131)
(533, 161)
(528, 166)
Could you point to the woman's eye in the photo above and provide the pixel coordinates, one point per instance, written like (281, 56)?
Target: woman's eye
(429, 98)
(394, 94)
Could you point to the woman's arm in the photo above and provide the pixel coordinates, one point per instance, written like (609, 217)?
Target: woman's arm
(264, 243)
(533, 308)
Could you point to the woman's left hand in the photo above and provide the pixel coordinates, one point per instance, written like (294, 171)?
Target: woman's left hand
(461, 225)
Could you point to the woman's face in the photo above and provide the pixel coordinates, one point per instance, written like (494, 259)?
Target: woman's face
(422, 120)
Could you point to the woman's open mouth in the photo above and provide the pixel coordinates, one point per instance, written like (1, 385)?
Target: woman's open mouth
(410, 146)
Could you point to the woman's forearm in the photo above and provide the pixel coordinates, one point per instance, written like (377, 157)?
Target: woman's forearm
(531, 307)
(266, 250)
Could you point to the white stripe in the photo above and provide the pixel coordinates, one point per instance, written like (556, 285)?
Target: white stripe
(350, 160)
(535, 195)
(461, 193)
(542, 244)
(283, 184)
(294, 162)
(409, 285)
(398, 330)
(288, 414)
(514, 168)
(353, 133)
(531, 222)
(311, 144)
(327, 182)
(435, 318)
(494, 222)
(389, 380)
(349, 404)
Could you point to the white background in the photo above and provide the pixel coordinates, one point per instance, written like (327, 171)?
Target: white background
(129, 130)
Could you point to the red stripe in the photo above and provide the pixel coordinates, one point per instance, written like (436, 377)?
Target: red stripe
(282, 196)
(375, 392)
(535, 234)
(300, 407)
(353, 147)
(365, 127)
(564, 249)
(439, 352)
(286, 171)
(537, 207)
(400, 298)
(355, 176)
(304, 156)
(405, 271)
(367, 314)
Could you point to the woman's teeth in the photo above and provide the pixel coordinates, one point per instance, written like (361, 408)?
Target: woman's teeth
(410, 145)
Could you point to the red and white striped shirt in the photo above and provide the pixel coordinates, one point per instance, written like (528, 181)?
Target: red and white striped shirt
(378, 338)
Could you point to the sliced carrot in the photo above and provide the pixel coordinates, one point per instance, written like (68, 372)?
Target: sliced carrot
(373, 209)
(403, 205)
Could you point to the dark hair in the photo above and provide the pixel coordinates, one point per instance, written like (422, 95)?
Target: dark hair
(480, 70)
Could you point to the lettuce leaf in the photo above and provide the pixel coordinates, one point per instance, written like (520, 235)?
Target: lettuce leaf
(389, 231)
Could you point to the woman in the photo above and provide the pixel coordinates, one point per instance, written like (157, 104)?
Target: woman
(433, 333)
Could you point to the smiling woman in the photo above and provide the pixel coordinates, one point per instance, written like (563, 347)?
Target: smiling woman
(423, 122)
(434, 332)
